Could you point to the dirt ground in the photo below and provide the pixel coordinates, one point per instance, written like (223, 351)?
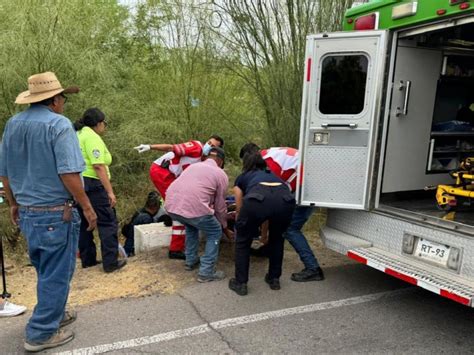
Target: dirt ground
(148, 273)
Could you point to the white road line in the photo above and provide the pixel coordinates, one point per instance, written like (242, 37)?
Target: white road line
(232, 322)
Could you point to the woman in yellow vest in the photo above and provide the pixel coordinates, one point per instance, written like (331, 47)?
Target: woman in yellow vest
(99, 190)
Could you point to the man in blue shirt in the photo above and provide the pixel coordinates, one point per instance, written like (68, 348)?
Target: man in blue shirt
(40, 166)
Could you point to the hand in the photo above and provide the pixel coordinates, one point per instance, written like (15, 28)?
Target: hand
(91, 218)
(229, 234)
(14, 216)
(142, 148)
(112, 199)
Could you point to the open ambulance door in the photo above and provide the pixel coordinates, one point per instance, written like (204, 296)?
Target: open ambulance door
(342, 96)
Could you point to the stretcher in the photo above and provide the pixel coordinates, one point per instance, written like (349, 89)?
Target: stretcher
(448, 197)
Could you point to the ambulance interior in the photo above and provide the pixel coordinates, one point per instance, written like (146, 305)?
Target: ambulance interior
(430, 129)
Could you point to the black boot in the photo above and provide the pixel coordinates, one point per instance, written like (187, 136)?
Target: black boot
(308, 275)
(273, 283)
(237, 287)
(176, 255)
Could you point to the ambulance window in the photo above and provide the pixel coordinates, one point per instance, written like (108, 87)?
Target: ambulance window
(343, 82)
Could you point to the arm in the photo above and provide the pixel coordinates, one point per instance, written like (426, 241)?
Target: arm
(101, 172)
(142, 148)
(220, 207)
(162, 147)
(11, 201)
(264, 233)
(73, 183)
(239, 195)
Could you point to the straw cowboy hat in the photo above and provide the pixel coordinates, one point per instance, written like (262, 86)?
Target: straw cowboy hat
(41, 87)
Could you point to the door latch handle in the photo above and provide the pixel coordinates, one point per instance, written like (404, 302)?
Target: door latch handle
(329, 125)
(404, 86)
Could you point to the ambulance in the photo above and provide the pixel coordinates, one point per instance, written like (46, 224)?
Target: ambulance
(387, 115)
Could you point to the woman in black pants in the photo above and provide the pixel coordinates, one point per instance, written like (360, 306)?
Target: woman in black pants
(98, 187)
(260, 197)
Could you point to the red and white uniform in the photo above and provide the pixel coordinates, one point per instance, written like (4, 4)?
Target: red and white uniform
(183, 155)
(283, 162)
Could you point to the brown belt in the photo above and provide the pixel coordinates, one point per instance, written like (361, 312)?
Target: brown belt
(44, 208)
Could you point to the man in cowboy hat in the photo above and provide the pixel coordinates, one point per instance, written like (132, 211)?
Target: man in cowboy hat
(40, 166)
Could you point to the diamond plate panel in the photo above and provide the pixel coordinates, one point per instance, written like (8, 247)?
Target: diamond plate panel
(330, 179)
(386, 233)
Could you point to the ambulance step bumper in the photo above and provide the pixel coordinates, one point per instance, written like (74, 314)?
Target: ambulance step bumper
(341, 242)
(415, 273)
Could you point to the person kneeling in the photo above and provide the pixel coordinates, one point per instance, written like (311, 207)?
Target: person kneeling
(150, 213)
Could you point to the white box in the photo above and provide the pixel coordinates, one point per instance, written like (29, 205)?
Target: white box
(150, 236)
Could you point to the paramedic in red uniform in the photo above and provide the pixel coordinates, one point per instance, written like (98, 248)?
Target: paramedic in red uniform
(283, 162)
(168, 167)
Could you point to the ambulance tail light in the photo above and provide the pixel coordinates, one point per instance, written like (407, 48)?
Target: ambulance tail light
(455, 2)
(368, 22)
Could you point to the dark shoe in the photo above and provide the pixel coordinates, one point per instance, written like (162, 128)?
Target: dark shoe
(120, 264)
(238, 288)
(308, 275)
(216, 276)
(61, 337)
(273, 283)
(191, 267)
(176, 255)
(69, 317)
(91, 265)
(261, 252)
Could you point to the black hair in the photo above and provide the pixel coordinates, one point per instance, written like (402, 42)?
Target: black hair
(153, 200)
(248, 148)
(90, 118)
(253, 161)
(219, 139)
(48, 101)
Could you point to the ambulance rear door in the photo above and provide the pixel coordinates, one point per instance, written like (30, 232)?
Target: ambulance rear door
(341, 106)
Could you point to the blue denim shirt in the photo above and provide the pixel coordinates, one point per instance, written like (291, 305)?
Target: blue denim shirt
(38, 145)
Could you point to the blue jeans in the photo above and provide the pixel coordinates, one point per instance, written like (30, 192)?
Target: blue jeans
(213, 230)
(297, 239)
(52, 247)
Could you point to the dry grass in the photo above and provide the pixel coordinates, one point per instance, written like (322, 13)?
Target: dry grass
(154, 273)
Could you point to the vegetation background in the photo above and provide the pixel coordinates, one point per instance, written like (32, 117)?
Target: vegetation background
(166, 71)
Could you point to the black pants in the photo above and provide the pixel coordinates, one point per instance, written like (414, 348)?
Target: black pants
(106, 224)
(263, 203)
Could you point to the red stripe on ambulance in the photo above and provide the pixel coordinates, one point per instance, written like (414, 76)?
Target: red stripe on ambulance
(411, 280)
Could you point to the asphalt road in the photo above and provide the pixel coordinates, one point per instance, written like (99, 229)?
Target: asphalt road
(355, 310)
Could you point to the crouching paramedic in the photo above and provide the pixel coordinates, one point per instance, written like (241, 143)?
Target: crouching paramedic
(283, 162)
(168, 167)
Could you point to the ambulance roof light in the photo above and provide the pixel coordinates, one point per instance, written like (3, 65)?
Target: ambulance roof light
(367, 22)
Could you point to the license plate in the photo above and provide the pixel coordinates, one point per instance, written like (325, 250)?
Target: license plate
(434, 252)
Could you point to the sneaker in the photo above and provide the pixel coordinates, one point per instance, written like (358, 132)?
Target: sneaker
(237, 287)
(9, 309)
(191, 267)
(308, 275)
(176, 255)
(217, 276)
(273, 283)
(120, 264)
(61, 337)
(70, 316)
